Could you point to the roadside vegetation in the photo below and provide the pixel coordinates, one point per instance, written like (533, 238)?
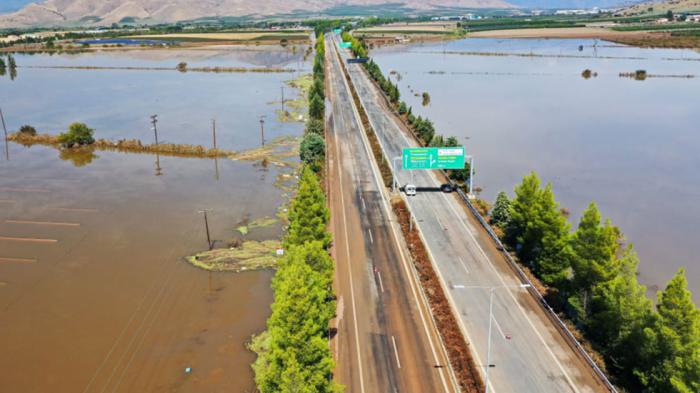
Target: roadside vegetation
(294, 353)
(423, 129)
(590, 275)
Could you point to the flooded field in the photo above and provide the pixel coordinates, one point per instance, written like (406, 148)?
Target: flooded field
(119, 103)
(521, 105)
(94, 290)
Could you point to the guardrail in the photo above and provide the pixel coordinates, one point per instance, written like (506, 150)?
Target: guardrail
(536, 294)
(549, 311)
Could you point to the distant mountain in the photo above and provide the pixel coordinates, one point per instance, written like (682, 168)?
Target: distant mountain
(105, 12)
(561, 4)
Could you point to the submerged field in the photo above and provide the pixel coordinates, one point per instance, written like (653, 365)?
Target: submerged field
(522, 105)
(95, 287)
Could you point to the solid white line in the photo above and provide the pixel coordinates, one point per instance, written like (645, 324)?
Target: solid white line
(404, 260)
(498, 326)
(464, 264)
(458, 286)
(396, 352)
(381, 284)
(527, 318)
(347, 251)
(364, 206)
(371, 239)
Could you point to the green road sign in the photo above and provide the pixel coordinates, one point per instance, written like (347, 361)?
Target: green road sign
(337, 31)
(434, 158)
(345, 45)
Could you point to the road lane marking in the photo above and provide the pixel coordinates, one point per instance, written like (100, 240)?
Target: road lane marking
(347, 251)
(364, 206)
(527, 318)
(498, 326)
(27, 239)
(464, 265)
(17, 260)
(371, 239)
(458, 286)
(404, 260)
(396, 352)
(49, 223)
(566, 375)
(381, 285)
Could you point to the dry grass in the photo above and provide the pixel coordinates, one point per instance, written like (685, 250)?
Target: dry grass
(458, 350)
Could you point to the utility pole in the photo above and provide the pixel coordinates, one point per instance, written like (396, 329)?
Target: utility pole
(492, 290)
(206, 226)
(262, 129)
(213, 130)
(4, 128)
(154, 122)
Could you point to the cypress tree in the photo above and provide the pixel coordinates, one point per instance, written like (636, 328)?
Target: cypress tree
(308, 213)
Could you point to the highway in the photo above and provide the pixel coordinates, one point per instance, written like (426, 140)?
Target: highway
(386, 340)
(528, 353)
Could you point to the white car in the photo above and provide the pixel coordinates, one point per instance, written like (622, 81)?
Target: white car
(410, 190)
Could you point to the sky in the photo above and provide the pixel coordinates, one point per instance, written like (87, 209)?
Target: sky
(13, 5)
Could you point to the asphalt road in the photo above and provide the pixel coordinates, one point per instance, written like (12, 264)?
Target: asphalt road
(386, 340)
(528, 353)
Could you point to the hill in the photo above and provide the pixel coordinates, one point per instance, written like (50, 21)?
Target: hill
(106, 12)
(661, 7)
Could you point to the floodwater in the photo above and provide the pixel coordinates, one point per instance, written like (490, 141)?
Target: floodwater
(94, 291)
(118, 103)
(631, 146)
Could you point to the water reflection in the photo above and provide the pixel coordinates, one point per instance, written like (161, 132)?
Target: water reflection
(79, 157)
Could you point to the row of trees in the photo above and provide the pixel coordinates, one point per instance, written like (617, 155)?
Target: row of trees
(293, 353)
(313, 146)
(592, 277)
(423, 129)
(358, 47)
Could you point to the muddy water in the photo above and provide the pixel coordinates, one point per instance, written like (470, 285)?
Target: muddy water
(94, 293)
(119, 103)
(629, 145)
(101, 300)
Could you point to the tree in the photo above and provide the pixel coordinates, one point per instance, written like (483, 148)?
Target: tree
(553, 258)
(11, 62)
(620, 311)
(27, 130)
(437, 141)
(539, 231)
(316, 107)
(452, 142)
(312, 149)
(594, 260)
(403, 109)
(317, 87)
(2, 65)
(77, 134)
(500, 215)
(671, 351)
(669, 15)
(308, 213)
(523, 213)
(182, 67)
(315, 126)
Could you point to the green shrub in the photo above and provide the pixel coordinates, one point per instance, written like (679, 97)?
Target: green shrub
(315, 126)
(27, 130)
(313, 148)
(77, 134)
